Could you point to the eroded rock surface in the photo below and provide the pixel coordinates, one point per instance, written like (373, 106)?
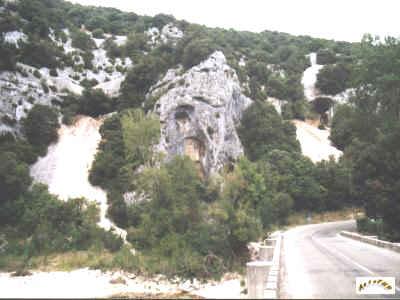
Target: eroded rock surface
(199, 111)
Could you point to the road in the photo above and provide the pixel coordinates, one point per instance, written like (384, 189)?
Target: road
(319, 263)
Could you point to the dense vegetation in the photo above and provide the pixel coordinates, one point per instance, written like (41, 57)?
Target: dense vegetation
(180, 223)
(368, 131)
(37, 223)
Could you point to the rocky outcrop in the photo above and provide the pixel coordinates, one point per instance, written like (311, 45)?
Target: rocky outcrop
(198, 113)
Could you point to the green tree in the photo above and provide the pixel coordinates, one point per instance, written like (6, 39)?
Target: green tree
(82, 40)
(263, 130)
(196, 51)
(40, 126)
(140, 133)
(94, 102)
(14, 177)
(333, 79)
(342, 129)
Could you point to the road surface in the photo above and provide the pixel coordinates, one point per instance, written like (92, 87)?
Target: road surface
(319, 263)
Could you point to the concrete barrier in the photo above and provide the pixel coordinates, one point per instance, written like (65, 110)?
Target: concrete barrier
(371, 240)
(266, 253)
(263, 275)
(270, 242)
(257, 272)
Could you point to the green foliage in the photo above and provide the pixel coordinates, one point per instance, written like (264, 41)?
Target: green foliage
(14, 177)
(371, 226)
(342, 130)
(8, 56)
(111, 241)
(40, 53)
(98, 33)
(178, 230)
(139, 133)
(20, 147)
(94, 102)
(263, 130)
(82, 40)
(111, 155)
(333, 79)
(368, 131)
(40, 126)
(295, 175)
(127, 143)
(196, 51)
(322, 104)
(295, 110)
(326, 57)
(336, 178)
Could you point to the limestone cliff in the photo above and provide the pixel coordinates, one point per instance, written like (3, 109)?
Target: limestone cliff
(198, 113)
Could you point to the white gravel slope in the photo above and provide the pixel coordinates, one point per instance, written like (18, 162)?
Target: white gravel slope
(315, 142)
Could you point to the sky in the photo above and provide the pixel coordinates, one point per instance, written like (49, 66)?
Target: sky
(345, 20)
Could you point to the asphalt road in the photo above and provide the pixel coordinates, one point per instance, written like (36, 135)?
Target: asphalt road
(319, 263)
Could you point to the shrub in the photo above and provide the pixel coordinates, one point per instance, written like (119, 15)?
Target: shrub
(95, 102)
(41, 53)
(325, 57)
(37, 74)
(322, 104)
(111, 241)
(263, 130)
(8, 54)
(82, 40)
(196, 51)
(14, 177)
(332, 80)
(40, 126)
(53, 72)
(98, 33)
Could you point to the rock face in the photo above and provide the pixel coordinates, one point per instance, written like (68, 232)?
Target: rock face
(198, 113)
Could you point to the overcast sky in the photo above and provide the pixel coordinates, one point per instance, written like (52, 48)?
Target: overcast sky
(337, 19)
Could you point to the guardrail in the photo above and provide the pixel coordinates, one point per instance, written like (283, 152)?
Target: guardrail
(263, 274)
(371, 240)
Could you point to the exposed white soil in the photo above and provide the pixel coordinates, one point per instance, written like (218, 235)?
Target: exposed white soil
(85, 283)
(314, 142)
(310, 78)
(65, 168)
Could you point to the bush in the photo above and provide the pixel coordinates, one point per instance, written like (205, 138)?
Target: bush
(326, 57)
(342, 132)
(53, 72)
(98, 33)
(14, 177)
(82, 40)
(37, 74)
(111, 241)
(40, 126)
(40, 53)
(332, 80)
(140, 78)
(263, 130)
(322, 104)
(196, 51)
(370, 226)
(94, 102)
(8, 54)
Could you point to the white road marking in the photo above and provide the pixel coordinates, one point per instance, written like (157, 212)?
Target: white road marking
(365, 269)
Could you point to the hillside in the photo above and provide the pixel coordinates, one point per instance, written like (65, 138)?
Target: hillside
(166, 147)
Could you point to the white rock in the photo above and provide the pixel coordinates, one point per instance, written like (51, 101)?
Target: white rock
(199, 111)
(13, 37)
